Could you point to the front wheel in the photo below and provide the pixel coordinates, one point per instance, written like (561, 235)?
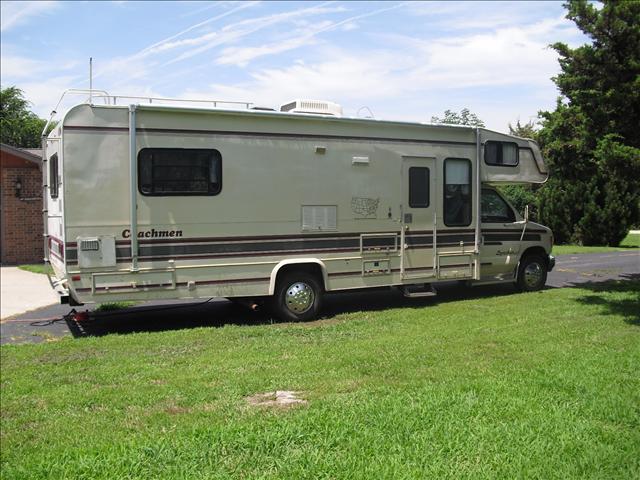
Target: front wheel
(297, 297)
(532, 274)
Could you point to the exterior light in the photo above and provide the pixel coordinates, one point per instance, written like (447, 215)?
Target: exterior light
(18, 187)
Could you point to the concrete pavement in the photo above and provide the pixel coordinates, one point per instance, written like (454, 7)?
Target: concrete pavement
(22, 291)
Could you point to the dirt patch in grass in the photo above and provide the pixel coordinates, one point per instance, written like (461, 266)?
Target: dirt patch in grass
(277, 399)
(175, 410)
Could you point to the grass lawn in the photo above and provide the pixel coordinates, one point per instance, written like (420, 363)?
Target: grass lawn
(539, 385)
(37, 268)
(631, 241)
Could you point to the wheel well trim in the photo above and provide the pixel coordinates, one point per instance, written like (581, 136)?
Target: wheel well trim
(297, 261)
(537, 249)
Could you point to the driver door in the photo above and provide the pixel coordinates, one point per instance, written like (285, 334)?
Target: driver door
(500, 237)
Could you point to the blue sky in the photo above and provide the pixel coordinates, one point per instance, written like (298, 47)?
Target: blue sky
(402, 60)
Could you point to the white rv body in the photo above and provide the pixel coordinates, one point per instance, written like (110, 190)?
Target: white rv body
(285, 192)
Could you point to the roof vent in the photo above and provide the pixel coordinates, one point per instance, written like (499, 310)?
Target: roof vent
(318, 107)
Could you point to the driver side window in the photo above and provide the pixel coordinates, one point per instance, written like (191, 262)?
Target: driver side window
(495, 209)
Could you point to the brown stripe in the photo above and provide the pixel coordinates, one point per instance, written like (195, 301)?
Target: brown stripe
(262, 134)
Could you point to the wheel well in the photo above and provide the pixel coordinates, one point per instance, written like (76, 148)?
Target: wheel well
(536, 251)
(310, 268)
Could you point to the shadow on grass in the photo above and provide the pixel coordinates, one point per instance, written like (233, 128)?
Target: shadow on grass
(219, 312)
(629, 309)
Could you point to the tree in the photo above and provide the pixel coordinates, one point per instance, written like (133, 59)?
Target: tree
(19, 126)
(465, 117)
(522, 195)
(528, 130)
(591, 140)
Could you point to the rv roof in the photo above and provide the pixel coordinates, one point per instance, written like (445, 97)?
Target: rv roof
(255, 112)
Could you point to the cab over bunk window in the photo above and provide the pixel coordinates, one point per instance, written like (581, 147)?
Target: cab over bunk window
(419, 187)
(457, 192)
(179, 171)
(53, 176)
(501, 153)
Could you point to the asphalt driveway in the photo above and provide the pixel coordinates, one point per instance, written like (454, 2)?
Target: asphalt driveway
(48, 324)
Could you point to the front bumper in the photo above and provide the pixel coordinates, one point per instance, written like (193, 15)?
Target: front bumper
(551, 263)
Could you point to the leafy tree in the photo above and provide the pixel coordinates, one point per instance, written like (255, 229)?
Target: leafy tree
(465, 117)
(592, 140)
(19, 126)
(528, 130)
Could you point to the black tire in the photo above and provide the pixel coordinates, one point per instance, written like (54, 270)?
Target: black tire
(532, 273)
(301, 286)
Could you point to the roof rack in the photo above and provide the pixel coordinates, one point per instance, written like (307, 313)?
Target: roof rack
(109, 99)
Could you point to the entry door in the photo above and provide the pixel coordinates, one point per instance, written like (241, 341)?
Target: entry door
(419, 204)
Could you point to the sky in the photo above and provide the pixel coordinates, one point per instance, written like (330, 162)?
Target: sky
(392, 60)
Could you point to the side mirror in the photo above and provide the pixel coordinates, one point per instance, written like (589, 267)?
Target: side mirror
(526, 213)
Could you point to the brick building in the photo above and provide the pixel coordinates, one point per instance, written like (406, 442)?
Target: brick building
(20, 205)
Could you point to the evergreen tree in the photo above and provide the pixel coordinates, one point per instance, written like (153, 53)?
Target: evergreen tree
(592, 139)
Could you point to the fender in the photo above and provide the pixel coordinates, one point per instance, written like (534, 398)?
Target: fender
(297, 261)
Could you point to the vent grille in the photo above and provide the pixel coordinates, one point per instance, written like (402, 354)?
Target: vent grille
(319, 218)
(90, 245)
(312, 106)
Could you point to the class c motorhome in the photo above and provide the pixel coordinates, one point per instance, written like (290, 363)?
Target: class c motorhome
(147, 201)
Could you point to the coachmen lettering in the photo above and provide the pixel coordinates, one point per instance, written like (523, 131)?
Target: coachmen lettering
(280, 207)
(153, 233)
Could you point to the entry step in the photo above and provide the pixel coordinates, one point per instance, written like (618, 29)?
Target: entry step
(419, 290)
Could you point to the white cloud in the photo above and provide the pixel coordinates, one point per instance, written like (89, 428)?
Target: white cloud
(20, 67)
(233, 32)
(347, 27)
(166, 44)
(510, 55)
(241, 56)
(415, 78)
(13, 14)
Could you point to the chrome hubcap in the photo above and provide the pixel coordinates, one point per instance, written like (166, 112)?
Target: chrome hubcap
(532, 274)
(299, 297)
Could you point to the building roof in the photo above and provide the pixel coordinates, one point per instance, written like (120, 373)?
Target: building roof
(30, 154)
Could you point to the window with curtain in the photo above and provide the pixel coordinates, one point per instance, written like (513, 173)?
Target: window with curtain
(179, 171)
(501, 153)
(457, 192)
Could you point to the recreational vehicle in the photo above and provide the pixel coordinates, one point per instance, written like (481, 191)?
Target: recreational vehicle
(150, 201)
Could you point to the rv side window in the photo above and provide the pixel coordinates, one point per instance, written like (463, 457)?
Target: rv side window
(501, 153)
(53, 176)
(495, 209)
(418, 187)
(179, 171)
(457, 192)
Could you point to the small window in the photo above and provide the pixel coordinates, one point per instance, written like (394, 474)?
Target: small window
(501, 153)
(179, 171)
(53, 176)
(457, 192)
(418, 187)
(495, 209)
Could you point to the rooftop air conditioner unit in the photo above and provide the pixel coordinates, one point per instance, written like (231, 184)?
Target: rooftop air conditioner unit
(318, 107)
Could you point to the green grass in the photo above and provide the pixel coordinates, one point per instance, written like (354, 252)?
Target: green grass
(631, 241)
(112, 306)
(539, 385)
(43, 268)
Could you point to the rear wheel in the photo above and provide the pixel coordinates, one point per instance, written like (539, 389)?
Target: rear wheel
(532, 274)
(297, 297)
